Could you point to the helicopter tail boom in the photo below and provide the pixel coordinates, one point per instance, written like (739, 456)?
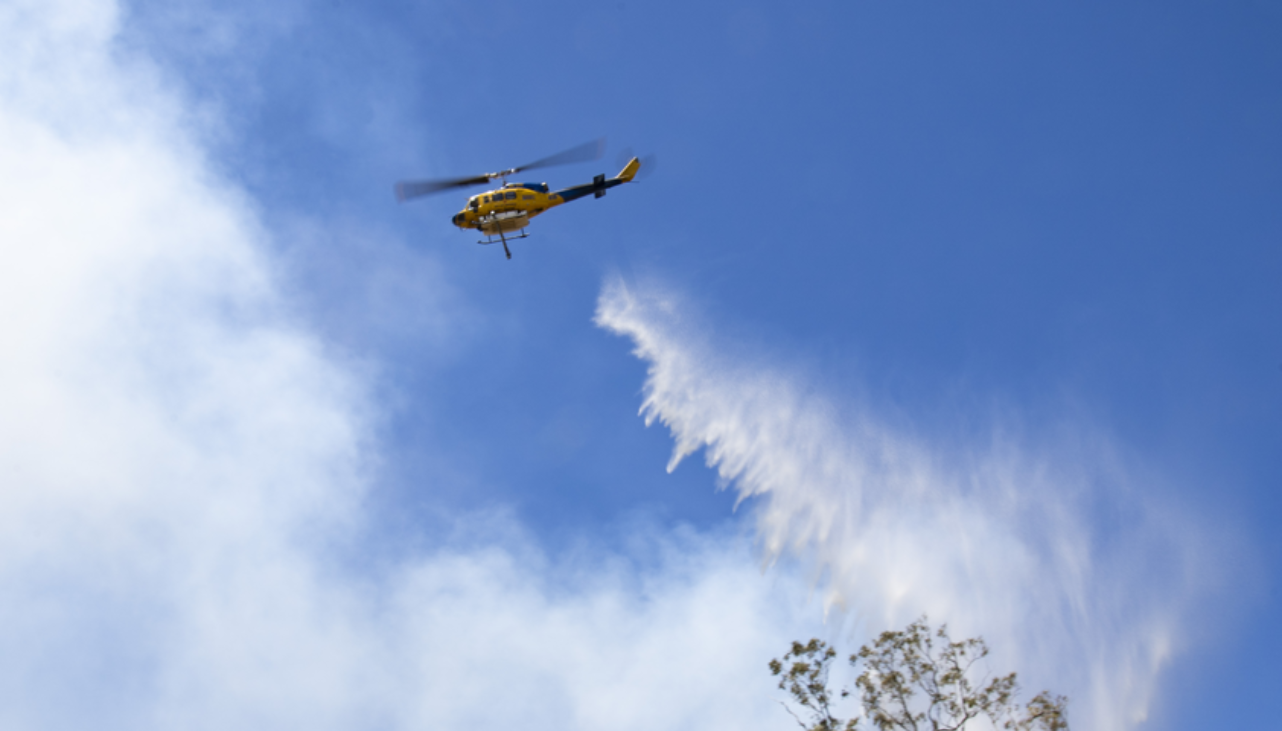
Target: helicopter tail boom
(600, 183)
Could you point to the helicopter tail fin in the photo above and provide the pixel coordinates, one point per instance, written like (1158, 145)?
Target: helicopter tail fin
(630, 170)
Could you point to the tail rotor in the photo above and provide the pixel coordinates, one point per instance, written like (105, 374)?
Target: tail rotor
(648, 163)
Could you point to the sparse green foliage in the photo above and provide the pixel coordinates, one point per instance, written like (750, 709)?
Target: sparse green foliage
(805, 677)
(912, 680)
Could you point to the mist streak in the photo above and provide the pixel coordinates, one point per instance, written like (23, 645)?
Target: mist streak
(1001, 540)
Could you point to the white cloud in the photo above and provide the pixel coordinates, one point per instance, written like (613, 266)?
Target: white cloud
(1077, 577)
(182, 467)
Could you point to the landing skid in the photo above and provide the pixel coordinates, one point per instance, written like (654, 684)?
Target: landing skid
(503, 238)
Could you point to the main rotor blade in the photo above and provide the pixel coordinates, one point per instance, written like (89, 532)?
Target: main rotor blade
(584, 152)
(407, 189)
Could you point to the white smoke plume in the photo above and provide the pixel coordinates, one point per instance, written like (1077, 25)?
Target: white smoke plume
(1074, 574)
(182, 466)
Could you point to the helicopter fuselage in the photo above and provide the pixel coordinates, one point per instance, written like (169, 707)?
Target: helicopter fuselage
(511, 207)
(507, 209)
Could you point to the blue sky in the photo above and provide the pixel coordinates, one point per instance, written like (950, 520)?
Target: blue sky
(1006, 200)
(973, 306)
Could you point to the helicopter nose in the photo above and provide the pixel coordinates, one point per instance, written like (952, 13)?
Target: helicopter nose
(458, 219)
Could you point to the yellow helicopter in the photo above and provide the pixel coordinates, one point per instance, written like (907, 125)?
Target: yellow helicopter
(508, 209)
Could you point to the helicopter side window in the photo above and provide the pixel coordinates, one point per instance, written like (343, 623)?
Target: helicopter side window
(487, 199)
(510, 196)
